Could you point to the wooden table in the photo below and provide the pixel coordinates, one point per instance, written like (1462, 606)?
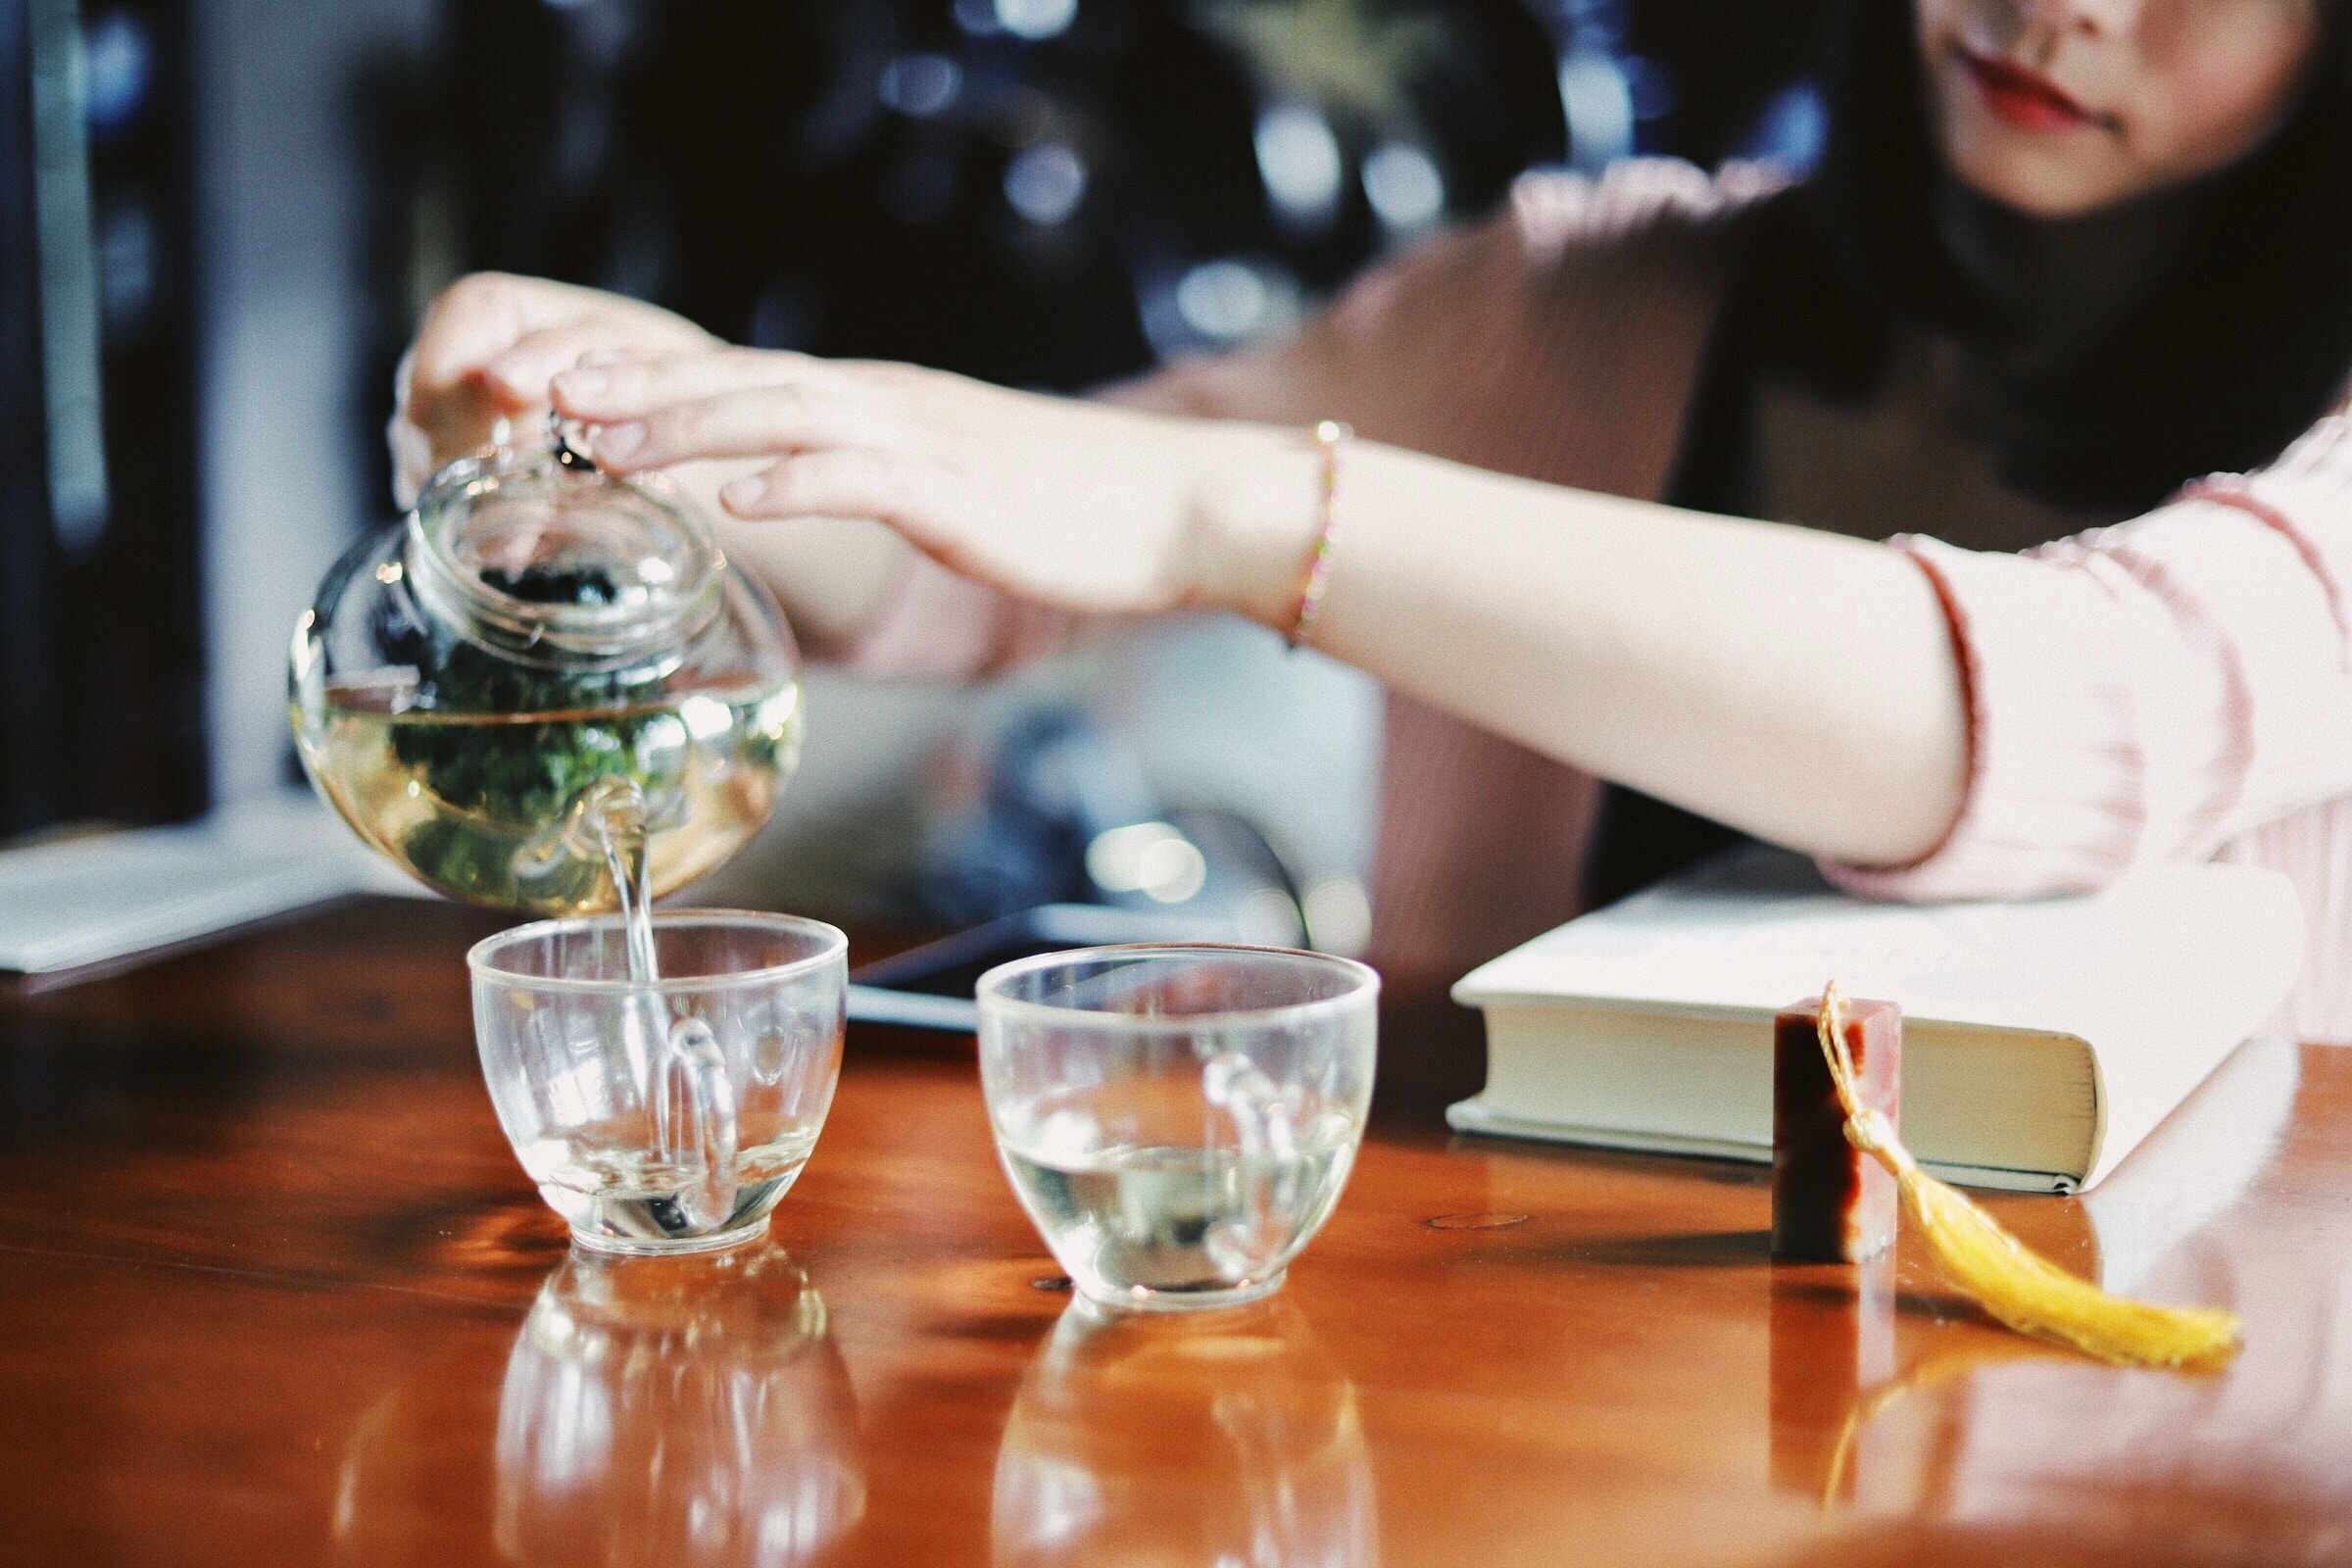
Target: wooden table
(272, 1290)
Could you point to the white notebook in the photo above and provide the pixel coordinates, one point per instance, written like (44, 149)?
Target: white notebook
(2043, 1039)
(80, 901)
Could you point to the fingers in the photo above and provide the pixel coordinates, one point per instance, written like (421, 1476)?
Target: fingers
(520, 377)
(487, 348)
(429, 428)
(761, 421)
(603, 392)
(517, 332)
(897, 488)
(412, 460)
(478, 318)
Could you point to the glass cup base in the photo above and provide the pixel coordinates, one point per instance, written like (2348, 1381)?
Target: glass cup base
(1143, 1299)
(670, 1245)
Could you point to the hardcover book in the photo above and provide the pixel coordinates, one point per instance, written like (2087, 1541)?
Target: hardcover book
(2043, 1038)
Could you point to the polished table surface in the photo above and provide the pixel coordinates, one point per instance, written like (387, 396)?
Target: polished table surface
(272, 1290)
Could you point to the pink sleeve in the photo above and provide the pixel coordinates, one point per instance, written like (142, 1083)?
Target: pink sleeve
(2151, 690)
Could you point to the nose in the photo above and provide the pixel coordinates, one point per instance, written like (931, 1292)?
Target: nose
(2053, 20)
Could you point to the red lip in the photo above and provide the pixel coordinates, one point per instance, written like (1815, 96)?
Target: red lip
(2023, 98)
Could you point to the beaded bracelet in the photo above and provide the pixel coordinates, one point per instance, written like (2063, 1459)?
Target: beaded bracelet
(1329, 436)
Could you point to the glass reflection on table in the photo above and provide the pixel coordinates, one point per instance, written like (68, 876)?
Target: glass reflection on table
(675, 1411)
(1231, 1438)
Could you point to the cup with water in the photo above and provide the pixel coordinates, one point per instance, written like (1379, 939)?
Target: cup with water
(669, 1114)
(1178, 1119)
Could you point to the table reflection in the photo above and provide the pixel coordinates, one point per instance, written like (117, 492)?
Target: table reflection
(1990, 1440)
(1832, 1347)
(1229, 1439)
(675, 1411)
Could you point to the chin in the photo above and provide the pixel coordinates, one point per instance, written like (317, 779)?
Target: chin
(2032, 174)
(2033, 189)
(2044, 174)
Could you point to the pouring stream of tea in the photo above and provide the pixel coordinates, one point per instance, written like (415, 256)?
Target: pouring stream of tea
(621, 830)
(685, 1072)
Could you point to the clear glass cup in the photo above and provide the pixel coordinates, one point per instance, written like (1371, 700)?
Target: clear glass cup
(1178, 1119)
(668, 1117)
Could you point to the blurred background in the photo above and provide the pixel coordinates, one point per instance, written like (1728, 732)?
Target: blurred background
(219, 219)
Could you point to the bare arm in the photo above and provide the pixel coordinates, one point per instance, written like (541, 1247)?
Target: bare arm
(1795, 684)
(1799, 685)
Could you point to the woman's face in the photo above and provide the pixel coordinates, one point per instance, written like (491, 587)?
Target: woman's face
(2063, 107)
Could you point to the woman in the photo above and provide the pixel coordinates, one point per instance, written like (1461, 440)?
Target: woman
(2064, 259)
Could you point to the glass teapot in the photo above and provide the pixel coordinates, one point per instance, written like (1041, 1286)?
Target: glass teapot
(539, 660)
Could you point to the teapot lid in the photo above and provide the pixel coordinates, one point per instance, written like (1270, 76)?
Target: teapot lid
(537, 553)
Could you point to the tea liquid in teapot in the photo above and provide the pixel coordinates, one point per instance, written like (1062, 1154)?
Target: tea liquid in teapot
(547, 690)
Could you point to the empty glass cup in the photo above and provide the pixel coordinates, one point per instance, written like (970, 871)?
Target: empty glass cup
(668, 1117)
(1177, 1119)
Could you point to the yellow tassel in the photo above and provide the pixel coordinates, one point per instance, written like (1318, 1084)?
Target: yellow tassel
(1989, 1265)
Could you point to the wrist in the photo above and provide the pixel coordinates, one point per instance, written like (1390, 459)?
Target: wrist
(1257, 518)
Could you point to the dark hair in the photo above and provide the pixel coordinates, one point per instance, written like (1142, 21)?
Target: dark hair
(2239, 344)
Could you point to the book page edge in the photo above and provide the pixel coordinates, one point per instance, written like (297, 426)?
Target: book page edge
(1471, 1116)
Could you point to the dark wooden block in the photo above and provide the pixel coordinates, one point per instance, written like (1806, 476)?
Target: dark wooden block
(1830, 1203)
